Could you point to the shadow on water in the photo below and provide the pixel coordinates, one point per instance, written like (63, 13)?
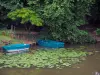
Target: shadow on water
(91, 66)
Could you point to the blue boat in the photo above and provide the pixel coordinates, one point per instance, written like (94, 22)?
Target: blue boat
(50, 44)
(16, 47)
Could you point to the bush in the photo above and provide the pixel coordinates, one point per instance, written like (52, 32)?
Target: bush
(80, 37)
(5, 32)
(98, 31)
(84, 37)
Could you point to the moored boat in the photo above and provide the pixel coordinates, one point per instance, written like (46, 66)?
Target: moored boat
(50, 44)
(16, 47)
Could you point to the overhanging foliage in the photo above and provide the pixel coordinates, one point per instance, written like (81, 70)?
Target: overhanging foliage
(26, 15)
(63, 17)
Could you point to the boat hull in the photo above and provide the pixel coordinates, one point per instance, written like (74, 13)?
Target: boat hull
(50, 44)
(16, 47)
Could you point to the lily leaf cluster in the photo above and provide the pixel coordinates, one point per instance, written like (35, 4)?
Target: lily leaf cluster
(43, 58)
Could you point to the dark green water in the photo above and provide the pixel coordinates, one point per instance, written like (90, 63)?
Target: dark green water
(87, 67)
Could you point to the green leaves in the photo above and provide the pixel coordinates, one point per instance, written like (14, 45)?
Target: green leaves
(98, 31)
(42, 58)
(6, 6)
(26, 15)
(63, 17)
(11, 4)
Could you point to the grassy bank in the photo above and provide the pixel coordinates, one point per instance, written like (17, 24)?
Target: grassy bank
(7, 38)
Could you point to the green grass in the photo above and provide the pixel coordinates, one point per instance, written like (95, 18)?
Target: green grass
(5, 38)
(44, 58)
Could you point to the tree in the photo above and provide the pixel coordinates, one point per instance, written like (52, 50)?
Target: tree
(26, 15)
(63, 17)
(94, 16)
(7, 6)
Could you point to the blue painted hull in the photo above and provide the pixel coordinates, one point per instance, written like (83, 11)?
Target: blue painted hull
(50, 44)
(16, 47)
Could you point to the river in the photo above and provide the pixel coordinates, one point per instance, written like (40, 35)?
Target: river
(88, 67)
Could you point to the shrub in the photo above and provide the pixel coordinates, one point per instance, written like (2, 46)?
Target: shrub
(85, 37)
(98, 31)
(5, 32)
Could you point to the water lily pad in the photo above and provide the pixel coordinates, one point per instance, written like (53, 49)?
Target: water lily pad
(43, 58)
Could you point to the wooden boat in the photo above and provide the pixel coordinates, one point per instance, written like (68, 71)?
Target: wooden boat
(50, 44)
(16, 47)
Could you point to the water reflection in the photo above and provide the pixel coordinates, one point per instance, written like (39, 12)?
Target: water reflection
(97, 73)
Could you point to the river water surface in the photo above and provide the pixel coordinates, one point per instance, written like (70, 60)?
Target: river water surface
(88, 67)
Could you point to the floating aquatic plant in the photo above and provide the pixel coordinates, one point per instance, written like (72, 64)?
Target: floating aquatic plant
(43, 58)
